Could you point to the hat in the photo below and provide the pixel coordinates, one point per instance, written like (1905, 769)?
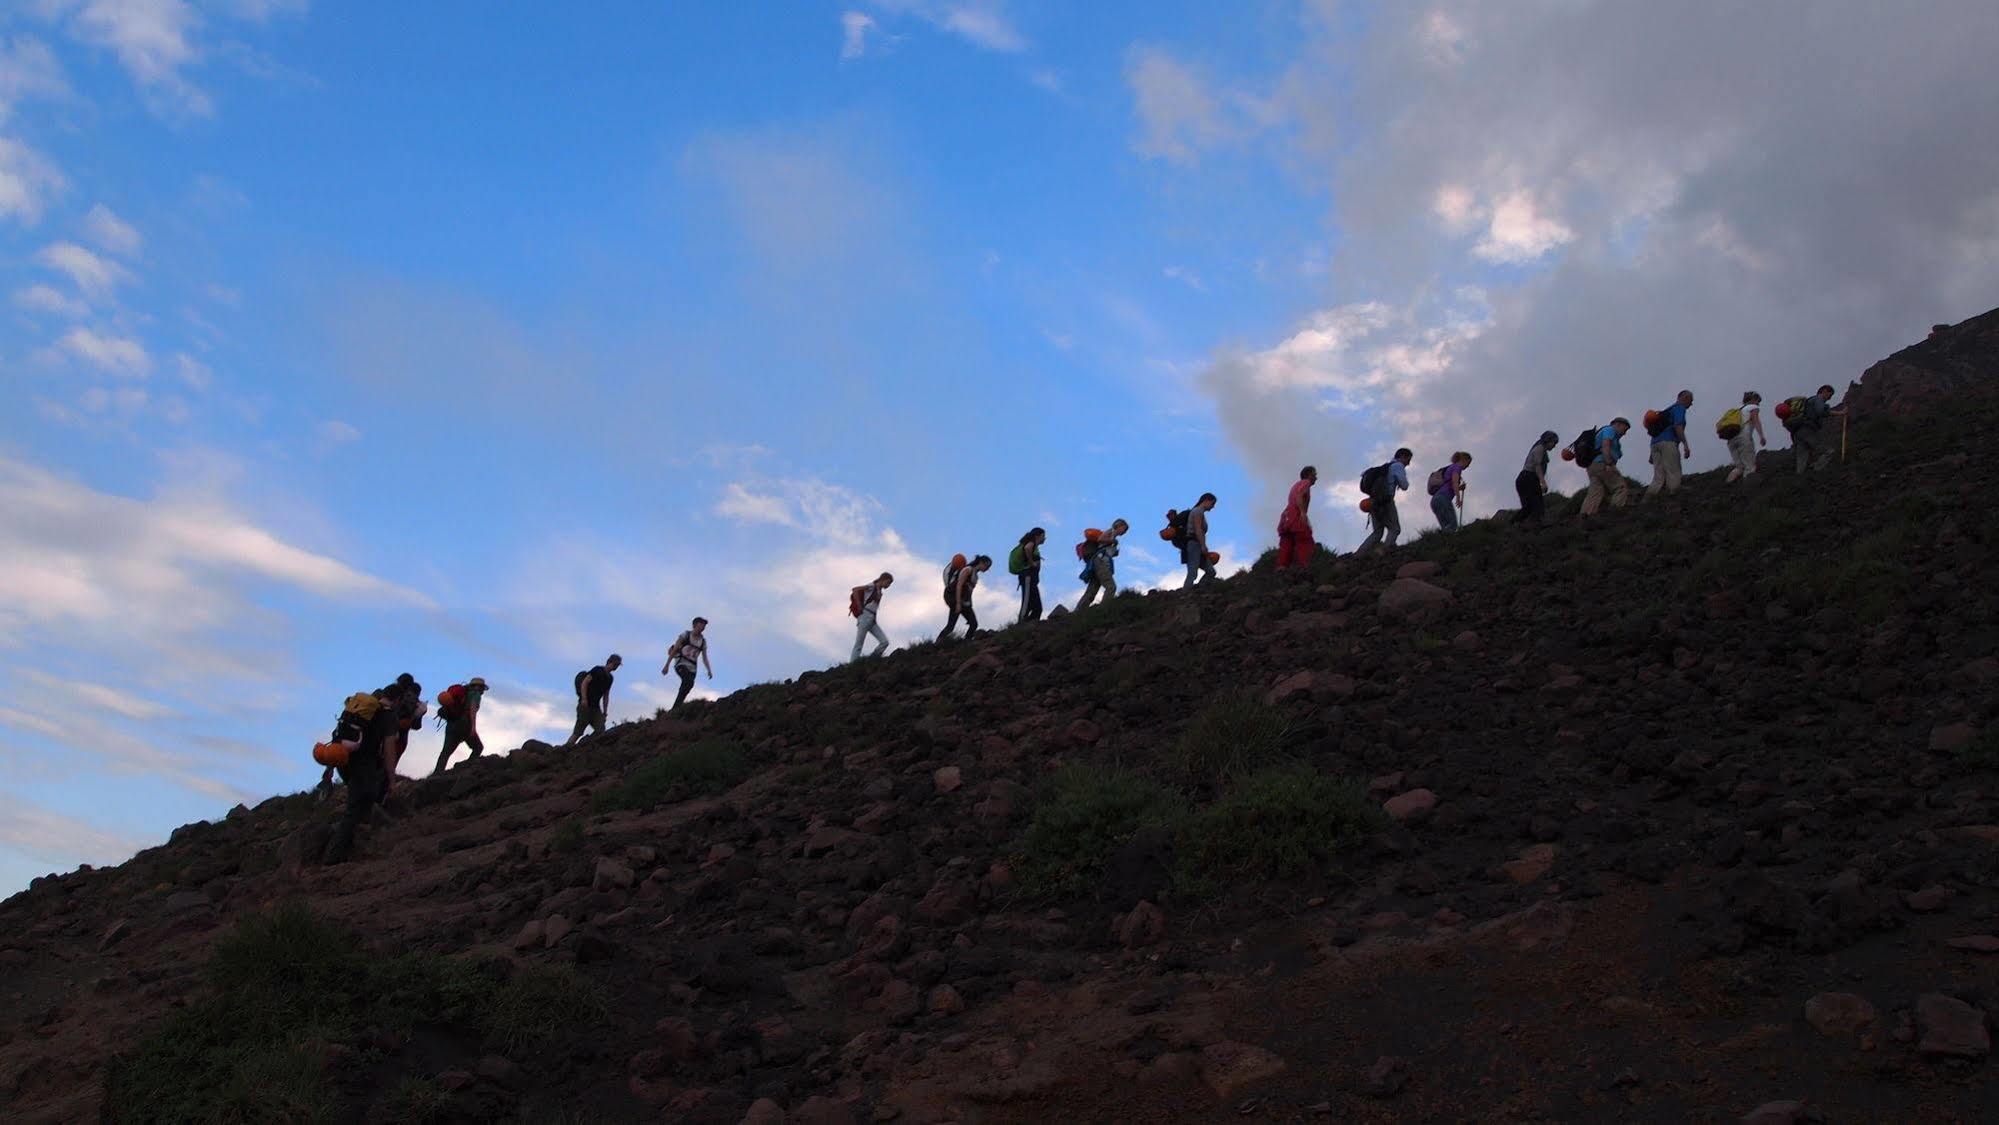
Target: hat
(476, 683)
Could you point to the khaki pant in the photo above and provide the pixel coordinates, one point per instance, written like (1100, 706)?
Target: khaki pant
(1814, 450)
(1604, 478)
(1742, 451)
(1665, 468)
(587, 718)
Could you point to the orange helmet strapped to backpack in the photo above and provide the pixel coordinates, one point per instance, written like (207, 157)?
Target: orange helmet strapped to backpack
(1367, 504)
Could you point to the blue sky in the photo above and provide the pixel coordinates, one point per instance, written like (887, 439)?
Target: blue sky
(340, 341)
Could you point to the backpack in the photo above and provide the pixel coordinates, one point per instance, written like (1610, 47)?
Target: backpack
(580, 677)
(1658, 421)
(1089, 544)
(356, 713)
(1371, 480)
(451, 702)
(1175, 531)
(1436, 481)
(1791, 411)
(1730, 424)
(1016, 563)
(1585, 448)
(951, 570)
(857, 599)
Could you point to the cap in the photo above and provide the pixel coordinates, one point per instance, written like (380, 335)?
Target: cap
(476, 682)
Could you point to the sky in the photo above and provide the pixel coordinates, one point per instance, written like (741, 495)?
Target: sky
(338, 341)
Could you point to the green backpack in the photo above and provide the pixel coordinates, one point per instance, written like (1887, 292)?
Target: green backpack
(1016, 563)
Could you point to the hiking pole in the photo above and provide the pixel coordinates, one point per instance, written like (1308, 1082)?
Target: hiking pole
(1842, 439)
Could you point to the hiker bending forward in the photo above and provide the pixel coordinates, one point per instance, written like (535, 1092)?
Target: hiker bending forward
(593, 697)
(1100, 564)
(1382, 484)
(959, 582)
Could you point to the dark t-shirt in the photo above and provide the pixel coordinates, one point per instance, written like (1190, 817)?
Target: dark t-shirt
(597, 686)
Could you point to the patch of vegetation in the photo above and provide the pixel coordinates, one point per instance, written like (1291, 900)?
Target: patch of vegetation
(710, 766)
(1234, 736)
(1279, 824)
(1086, 814)
(287, 985)
(416, 1101)
(805, 773)
(567, 837)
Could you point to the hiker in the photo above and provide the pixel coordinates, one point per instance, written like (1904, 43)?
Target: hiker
(1669, 445)
(1742, 428)
(1532, 483)
(1807, 419)
(864, 605)
(1598, 453)
(458, 706)
(366, 723)
(1024, 563)
(960, 579)
(1380, 484)
(689, 647)
(1447, 491)
(1099, 555)
(1294, 527)
(405, 696)
(1194, 541)
(593, 697)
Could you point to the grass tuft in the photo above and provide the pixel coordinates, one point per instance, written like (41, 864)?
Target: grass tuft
(1280, 824)
(705, 767)
(1234, 736)
(1086, 814)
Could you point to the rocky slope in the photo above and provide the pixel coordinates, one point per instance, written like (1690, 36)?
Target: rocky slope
(1679, 815)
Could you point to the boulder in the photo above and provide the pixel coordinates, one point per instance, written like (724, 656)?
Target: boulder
(1951, 1028)
(1414, 600)
(1229, 1067)
(1412, 807)
(1838, 1013)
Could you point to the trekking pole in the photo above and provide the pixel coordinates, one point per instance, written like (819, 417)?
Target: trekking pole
(1842, 439)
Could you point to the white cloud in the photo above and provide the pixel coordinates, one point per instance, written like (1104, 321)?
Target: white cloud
(263, 11)
(154, 41)
(116, 355)
(112, 233)
(982, 23)
(52, 838)
(1181, 113)
(1519, 231)
(335, 432)
(193, 372)
(826, 512)
(93, 275)
(854, 28)
(48, 299)
(1186, 277)
(27, 69)
(27, 181)
(1046, 79)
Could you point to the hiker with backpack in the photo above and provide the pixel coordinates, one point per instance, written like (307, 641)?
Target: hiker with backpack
(1024, 563)
(1098, 553)
(1192, 539)
(1807, 417)
(960, 579)
(1668, 430)
(367, 721)
(1532, 483)
(405, 698)
(593, 698)
(1379, 485)
(1447, 491)
(1742, 428)
(1294, 527)
(458, 707)
(864, 606)
(688, 648)
(1597, 453)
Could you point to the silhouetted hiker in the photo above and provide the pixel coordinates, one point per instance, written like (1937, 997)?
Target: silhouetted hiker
(1807, 419)
(960, 579)
(1447, 491)
(1598, 453)
(1099, 555)
(1193, 541)
(1669, 443)
(458, 706)
(1025, 565)
(405, 696)
(864, 605)
(1532, 483)
(688, 648)
(1380, 484)
(593, 697)
(1294, 527)
(1742, 428)
(365, 725)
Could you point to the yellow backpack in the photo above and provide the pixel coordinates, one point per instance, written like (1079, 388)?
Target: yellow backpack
(1730, 424)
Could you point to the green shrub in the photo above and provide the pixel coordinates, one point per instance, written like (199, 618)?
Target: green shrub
(567, 837)
(285, 985)
(1234, 736)
(705, 767)
(1085, 815)
(1280, 824)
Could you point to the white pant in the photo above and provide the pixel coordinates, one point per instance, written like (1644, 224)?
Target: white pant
(1742, 450)
(866, 627)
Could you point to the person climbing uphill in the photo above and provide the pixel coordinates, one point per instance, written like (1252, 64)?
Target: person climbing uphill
(1742, 428)
(1532, 483)
(1380, 484)
(688, 648)
(365, 725)
(405, 697)
(1668, 430)
(864, 606)
(1598, 453)
(1099, 555)
(1447, 491)
(1024, 563)
(593, 697)
(458, 706)
(1294, 528)
(1808, 418)
(960, 579)
(1194, 541)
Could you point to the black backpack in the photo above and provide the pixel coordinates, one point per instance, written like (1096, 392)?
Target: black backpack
(1585, 448)
(580, 677)
(1177, 521)
(1370, 481)
(1662, 420)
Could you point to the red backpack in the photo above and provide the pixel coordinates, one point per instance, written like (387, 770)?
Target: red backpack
(451, 702)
